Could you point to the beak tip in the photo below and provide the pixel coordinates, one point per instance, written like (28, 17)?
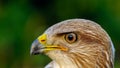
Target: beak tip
(35, 48)
(31, 52)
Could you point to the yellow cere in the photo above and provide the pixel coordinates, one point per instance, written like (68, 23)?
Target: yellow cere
(42, 39)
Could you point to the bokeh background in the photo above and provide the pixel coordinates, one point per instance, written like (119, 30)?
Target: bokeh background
(22, 21)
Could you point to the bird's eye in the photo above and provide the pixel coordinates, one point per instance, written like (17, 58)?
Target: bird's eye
(71, 37)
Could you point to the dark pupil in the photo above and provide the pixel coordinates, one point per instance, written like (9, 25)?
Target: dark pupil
(70, 37)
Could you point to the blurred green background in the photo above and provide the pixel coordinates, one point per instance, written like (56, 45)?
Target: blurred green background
(22, 21)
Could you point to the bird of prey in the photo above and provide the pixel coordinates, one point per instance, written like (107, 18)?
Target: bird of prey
(75, 43)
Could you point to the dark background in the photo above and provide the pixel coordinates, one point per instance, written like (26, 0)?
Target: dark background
(22, 21)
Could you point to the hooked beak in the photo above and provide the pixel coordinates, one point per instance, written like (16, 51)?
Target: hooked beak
(40, 45)
(36, 48)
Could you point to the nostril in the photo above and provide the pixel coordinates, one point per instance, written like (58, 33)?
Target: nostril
(42, 40)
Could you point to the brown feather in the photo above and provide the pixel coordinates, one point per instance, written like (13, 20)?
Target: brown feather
(93, 49)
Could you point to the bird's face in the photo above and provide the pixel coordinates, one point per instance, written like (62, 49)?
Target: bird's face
(61, 37)
(55, 42)
(81, 39)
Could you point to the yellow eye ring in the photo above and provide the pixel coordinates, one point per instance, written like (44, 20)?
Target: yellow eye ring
(71, 37)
